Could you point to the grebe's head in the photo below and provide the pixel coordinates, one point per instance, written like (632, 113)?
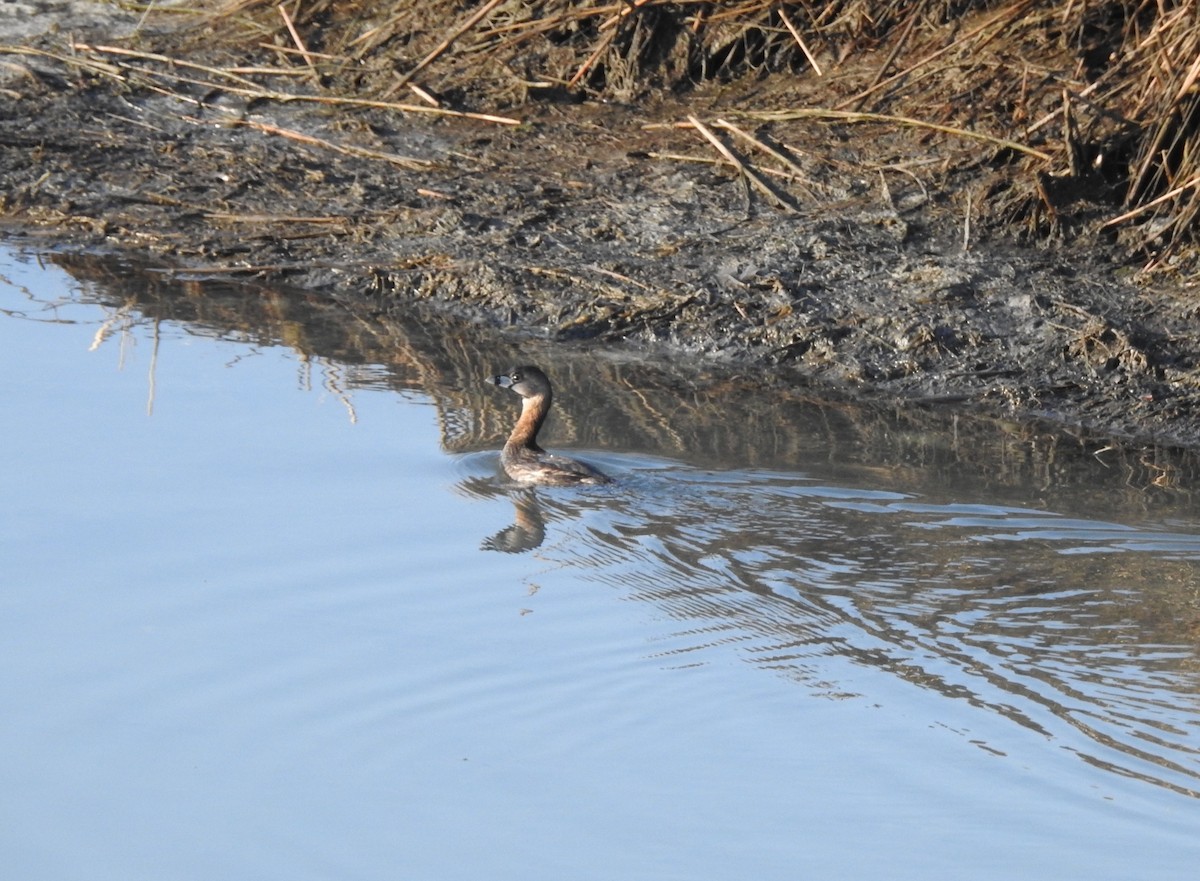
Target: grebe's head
(528, 381)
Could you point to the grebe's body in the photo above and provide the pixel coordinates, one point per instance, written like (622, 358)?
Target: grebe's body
(522, 458)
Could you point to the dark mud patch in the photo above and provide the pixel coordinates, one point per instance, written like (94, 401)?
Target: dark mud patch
(880, 274)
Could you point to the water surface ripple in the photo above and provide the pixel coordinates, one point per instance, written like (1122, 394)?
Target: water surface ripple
(1046, 620)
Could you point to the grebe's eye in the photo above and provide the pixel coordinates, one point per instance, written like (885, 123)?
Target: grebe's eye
(515, 376)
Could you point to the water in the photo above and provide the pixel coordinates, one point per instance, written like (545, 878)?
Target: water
(269, 611)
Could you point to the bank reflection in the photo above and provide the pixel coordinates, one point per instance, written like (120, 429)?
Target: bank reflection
(1049, 578)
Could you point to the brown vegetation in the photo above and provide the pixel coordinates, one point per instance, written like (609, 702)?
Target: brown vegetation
(1091, 106)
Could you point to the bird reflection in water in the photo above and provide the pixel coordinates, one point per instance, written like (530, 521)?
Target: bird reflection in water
(526, 532)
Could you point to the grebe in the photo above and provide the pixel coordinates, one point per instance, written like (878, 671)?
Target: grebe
(522, 458)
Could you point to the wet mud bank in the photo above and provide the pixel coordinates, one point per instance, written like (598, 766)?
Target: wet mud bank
(876, 271)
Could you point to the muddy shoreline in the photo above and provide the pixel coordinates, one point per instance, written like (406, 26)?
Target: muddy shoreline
(586, 224)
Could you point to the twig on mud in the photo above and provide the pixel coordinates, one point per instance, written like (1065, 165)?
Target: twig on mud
(794, 169)
(683, 157)
(267, 128)
(551, 272)
(345, 149)
(161, 59)
(253, 91)
(856, 116)
(709, 160)
(900, 168)
(101, 68)
(745, 170)
(423, 95)
(187, 272)
(268, 71)
(283, 97)
(288, 50)
(479, 15)
(619, 277)
(273, 218)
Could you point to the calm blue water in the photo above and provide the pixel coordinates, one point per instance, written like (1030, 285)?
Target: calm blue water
(268, 614)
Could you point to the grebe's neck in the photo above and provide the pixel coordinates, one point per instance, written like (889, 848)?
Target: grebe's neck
(533, 414)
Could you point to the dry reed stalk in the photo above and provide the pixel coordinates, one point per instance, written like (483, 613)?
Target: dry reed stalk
(592, 59)
(345, 149)
(1008, 14)
(770, 151)
(537, 25)
(857, 116)
(1057, 111)
(795, 170)
(744, 10)
(800, 41)
(266, 71)
(273, 218)
(684, 157)
(758, 183)
(615, 14)
(165, 60)
(312, 140)
(308, 60)
(477, 17)
(288, 50)
(92, 65)
(1166, 61)
(253, 91)
(562, 275)
(966, 237)
(423, 95)
(619, 277)
(709, 160)
(1193, 184)
(883, 68)
(1119, 76)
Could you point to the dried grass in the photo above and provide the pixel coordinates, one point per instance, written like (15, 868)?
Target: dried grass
(1087, 96)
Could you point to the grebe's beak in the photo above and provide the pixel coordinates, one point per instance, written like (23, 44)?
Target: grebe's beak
(502, 380)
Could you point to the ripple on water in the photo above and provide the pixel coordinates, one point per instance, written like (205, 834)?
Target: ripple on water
(978, 602)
